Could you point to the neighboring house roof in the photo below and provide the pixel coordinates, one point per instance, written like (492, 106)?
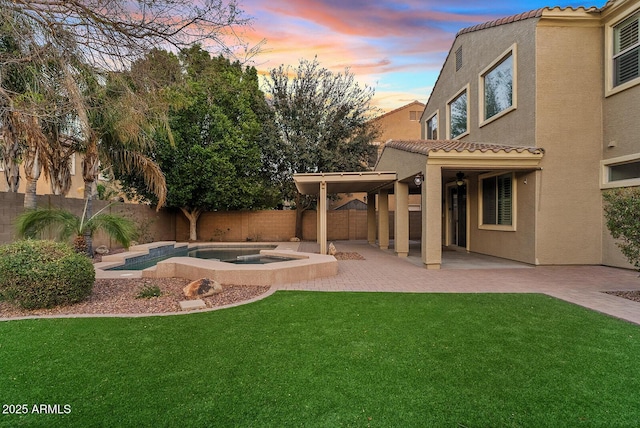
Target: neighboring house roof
(416, 102)
(354, 204)
(425, 147)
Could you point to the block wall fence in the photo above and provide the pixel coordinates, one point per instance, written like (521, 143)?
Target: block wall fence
(233, 226)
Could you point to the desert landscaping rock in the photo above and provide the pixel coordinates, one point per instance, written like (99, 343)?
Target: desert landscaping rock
(203, 287)
(102, 250)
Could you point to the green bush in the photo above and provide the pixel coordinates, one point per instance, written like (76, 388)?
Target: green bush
(149, 291)
(622, 212)
(42, 274)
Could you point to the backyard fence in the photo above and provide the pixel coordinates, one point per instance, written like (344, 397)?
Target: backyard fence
(218, 226)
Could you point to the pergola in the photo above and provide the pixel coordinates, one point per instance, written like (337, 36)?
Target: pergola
(323, 184)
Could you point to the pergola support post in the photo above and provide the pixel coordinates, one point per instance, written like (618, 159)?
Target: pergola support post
(322, 218)
(383, 219)
(371, 218)
(432, 217)
(401, 219)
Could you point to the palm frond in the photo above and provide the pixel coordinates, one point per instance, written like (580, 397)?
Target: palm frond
(152, 175)
(119, 228)
(33, 222)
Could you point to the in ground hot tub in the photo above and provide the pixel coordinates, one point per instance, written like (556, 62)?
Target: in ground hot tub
(280, 265)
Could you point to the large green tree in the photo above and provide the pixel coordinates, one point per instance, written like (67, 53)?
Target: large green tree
(214, 161)
(61, 46)
(324, 122)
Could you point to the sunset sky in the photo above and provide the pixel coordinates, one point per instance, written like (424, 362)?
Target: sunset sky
(396, 46)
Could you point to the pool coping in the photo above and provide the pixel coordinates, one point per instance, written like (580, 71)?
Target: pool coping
(304, 266)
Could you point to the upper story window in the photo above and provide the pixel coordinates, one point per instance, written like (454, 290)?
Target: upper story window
(498, 87)
(414, 115)
(626, 51)
(458, 115)
(432, 127)
(622, 48)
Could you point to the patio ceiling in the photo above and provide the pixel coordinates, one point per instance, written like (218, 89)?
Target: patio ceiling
(344, 182)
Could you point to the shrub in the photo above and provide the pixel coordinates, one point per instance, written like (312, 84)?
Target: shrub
(42, 274)
(622, 212)
(149, 291)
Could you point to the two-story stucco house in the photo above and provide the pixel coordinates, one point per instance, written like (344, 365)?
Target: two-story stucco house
(532, 116)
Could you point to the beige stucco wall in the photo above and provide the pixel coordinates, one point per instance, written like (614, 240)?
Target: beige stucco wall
(43, 187)
(397, 124)
(569, 127)
(621, 117)
(621, 130)
(406, 165)
(514, 245)
(559, 108)
(479, 50)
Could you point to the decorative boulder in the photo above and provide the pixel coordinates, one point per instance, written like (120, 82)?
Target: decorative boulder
(332, 249)
(203, 287)
(294, 239)
(102, 250)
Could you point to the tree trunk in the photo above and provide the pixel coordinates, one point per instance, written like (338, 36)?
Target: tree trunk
(88, 212)
(299, 211)
(192, 216)
(10, 156)
(32, 173)
(90, 171)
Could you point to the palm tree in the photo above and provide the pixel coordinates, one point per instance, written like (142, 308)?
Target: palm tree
(66, 224)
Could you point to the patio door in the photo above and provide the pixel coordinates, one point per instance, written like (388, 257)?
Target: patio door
(457, 215)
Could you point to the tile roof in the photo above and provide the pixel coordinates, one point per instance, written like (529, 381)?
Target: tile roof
(506, 20)
(431, 146)
(537, 13)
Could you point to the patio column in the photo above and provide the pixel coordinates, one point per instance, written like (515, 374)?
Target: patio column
(322, 218)
(383, 219)
(432, 217)
(371, 218)
(401, 223)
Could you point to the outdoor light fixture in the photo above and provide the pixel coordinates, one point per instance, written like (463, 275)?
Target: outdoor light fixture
(460, 179)
(418, 179)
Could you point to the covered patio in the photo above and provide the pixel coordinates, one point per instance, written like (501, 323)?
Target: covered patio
(447, 175)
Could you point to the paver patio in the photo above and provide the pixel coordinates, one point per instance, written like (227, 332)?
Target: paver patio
(383, 271)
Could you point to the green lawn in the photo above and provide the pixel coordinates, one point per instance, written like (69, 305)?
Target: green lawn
(330, 359)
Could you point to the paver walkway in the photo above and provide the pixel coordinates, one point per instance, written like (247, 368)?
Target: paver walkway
(383, 271)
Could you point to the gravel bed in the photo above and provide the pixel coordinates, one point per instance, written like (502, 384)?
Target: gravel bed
(631, 295)
(341, 255)
(118, 296)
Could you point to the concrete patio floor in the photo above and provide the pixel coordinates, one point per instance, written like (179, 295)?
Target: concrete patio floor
(462, 272)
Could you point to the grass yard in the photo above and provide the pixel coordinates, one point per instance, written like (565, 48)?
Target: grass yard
(330, 359)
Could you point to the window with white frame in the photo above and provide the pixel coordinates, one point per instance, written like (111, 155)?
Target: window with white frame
(626, 50)
(621, 172)
(497, 86)
(432, 127)
(457, 110)
(497, 202)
